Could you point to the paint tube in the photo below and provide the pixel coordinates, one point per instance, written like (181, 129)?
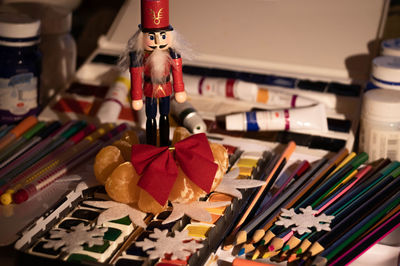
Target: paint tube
(302, 118)
(116, 97)
(241, 90)
(188, 116)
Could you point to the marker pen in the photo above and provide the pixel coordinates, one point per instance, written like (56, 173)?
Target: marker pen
(313, 117)
(188, 116)
(242, 90)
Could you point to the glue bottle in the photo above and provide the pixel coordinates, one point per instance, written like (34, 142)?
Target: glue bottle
(20, 67)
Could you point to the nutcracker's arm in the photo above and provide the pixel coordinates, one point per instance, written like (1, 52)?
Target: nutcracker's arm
(136, 70)
(177, 71)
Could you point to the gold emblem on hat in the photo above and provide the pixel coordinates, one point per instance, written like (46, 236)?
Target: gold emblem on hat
(157, 18)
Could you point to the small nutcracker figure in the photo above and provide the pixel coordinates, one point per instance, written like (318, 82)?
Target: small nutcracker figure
(152, 58)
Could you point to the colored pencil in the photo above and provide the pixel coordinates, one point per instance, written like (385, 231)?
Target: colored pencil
(384, 219)
(17, 131)
(278, 166)
(244, 262)
(281, 239)
(376, 182)
(267, 164)
(278, 242)
(14, 146)
(352, 200)
(313, 182)
(283, 182)
(368, 241)
(269, 216)
(49, 148)
(295, 240)
(80, 154)
(355, 231)
(42, 134)
(357, 214)
(350, 166)
(241, 236)
(38, 146)
(5, 129)
(334, 179)
(344, 189)
(50, 161)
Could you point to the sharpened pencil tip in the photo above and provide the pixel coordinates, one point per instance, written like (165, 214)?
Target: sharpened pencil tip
(268, 254)
(285, 248)
(241, 252)
(299, 251)
(255, 255)
(241, 237)
(292, 257)
(320, 261)
(271, 248)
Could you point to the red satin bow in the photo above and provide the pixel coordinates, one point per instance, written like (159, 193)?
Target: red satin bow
(159, 170)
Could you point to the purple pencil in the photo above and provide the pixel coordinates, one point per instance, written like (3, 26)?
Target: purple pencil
(47, 160)
(368, 241)
(36, 149)
(40, 184)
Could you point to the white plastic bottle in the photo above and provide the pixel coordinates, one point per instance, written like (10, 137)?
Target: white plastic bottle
(380, 124)
(391, 47)
(385, 73)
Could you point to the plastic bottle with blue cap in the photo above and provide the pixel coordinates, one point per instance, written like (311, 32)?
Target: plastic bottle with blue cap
(391, 47)
(385, 73)
(20, 67)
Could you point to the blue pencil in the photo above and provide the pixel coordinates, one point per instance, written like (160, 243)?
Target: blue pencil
(15, 146)
(42, 134)
(53, 145)
(37, 147)
(5, 129)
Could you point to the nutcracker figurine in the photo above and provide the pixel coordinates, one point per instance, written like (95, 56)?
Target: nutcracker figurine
(152, 56)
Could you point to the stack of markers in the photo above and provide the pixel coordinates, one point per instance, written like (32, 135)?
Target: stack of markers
(327, 213)
(33, 154)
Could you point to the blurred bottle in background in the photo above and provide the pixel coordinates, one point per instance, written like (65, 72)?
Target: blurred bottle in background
(59, 51)
(20, 67)
(57, 45)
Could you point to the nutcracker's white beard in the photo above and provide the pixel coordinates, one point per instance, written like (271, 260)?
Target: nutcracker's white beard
(158, 62)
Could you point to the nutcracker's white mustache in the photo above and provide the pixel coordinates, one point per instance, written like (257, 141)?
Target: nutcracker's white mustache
(135, 44)
(159, 62)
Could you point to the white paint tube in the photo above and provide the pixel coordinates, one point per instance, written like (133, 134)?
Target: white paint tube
(302, 118)
(115, 99)
(241, 90)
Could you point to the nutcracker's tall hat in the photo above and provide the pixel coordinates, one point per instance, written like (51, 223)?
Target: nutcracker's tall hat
(155, 15)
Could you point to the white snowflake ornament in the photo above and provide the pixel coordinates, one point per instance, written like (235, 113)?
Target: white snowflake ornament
(302, 222)
(116, 210)
(72, 241)
(180, 246)
(195, 210)
(230, 184)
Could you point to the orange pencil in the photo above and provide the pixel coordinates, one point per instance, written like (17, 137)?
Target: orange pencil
(17, 131)
(278, 166)
(244, 262)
